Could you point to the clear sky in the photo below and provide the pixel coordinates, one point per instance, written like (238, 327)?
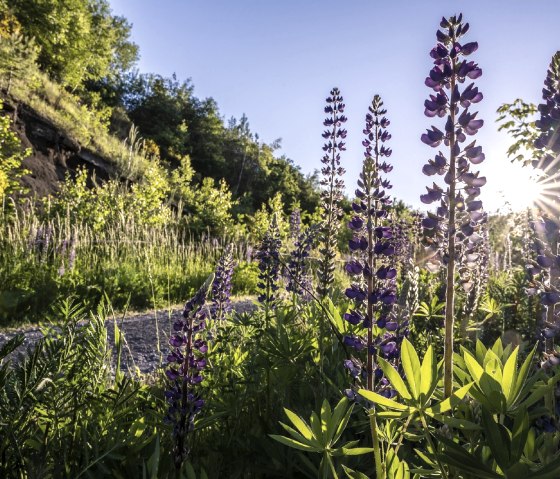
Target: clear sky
(276, 60)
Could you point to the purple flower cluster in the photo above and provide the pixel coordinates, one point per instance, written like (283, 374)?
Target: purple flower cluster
(545, 270)
(67, 256)
(268, 256)
(299, 278)
(42, 242)
(452, 69)
(333, 187)
(185, 362)
(549, 122)
(451, 232)
(221, 286)
(295, 224)
(373, 289)
(544, 273)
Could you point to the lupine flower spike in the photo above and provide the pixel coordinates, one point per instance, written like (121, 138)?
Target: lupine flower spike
(185, 363)
(545, 271)
(295, 224)
(333, 187)
(372, 246)
(299, 278)
(221, 287)
(268, 256)
(453, 227)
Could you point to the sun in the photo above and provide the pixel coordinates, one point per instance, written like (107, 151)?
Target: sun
(515, 188)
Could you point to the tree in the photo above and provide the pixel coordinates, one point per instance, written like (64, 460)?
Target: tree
(79, 40)
(11, 157)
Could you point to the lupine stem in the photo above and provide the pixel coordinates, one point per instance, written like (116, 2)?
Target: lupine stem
(450, 280)
(379, 466)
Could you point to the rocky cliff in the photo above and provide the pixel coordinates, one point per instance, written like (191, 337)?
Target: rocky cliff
(54, 153)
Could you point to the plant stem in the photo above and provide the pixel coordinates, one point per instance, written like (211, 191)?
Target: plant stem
(379, 466)
(450, 279)
(432, 446)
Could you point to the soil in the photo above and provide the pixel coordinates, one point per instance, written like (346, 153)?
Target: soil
(53, 152)
(141, 350)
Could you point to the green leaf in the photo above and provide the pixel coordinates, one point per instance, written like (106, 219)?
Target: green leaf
(342, 425)
(326, 414)
(456, 456)
(394, 378)
(298, 437)
(382, 400)
(519, 432)
(428, 375)
(393, 414)
(356, 451)
(480, 350)
(474, 368)
(316, 428)
(461, 424)
(498, 440)
(498, 348)
(550, 471)
(295, 444)
(351, 474)
(336, 418)
(411, 367)
(11, 345)
(522, 376)
(450, 402)
(190, 471)
(299, 423)
(508, 376)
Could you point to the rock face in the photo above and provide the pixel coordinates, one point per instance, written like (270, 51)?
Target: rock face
(54, 153)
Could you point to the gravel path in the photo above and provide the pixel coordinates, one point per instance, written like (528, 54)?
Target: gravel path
(140, 351)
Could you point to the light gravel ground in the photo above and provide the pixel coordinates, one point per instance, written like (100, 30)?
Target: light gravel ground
(141, 332)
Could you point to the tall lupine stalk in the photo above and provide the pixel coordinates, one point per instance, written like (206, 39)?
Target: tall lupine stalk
(268, 256)
(546, 227)
(458, 217)
(333, 188)
(373, 289)
(299, 278)
(185, 363)
(295, 224)
(221, 286)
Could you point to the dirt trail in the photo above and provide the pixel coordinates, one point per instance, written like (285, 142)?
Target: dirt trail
(141, 347)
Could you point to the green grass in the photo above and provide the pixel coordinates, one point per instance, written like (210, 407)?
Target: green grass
(84, 125)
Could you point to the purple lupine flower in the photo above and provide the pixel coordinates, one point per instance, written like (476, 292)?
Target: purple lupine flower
(333, 188)
(185, 363)
(295, 224)
(299, 278)
(545, 271)
(372, 247)
(221, 286)
(454, 225)
(268, 256)
(549, 122)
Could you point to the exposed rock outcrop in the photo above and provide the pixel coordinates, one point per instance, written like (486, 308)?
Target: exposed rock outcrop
(54, 153)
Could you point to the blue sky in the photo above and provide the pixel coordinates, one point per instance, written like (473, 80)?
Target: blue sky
(276, 61)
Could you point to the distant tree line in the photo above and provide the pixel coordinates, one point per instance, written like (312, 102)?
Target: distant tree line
(81, 45)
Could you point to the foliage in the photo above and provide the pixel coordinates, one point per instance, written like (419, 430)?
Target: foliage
(321, 435)
(11, 156)
(79, 40)
(516, 119)
(62, 413)
(188, 187)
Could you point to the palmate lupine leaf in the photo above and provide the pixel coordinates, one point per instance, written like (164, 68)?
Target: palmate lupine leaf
(507, 449)
(322, 433)
(410, 404)
(500, 385)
